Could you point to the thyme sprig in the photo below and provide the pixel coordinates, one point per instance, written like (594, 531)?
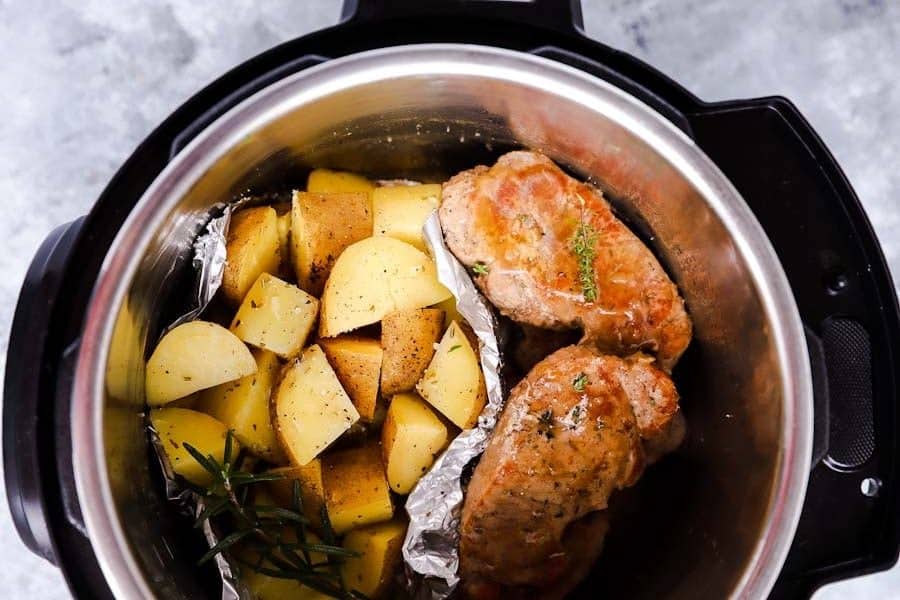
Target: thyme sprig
(261, 528)
(583, 246)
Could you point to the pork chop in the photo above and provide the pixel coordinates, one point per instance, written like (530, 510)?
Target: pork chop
(547, 251)
(572, 432)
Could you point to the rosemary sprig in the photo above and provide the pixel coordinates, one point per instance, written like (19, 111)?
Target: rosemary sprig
(261, 528)
(583, 246)
(480, 268)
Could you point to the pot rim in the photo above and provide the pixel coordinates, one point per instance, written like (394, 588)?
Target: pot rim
(121, 570)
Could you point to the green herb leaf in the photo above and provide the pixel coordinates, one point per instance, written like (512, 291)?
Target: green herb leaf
(480, 268)
(452, 348)
(207, 462)
(580, 382)
(226, 542)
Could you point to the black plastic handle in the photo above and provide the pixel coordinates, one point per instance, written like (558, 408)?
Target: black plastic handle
(24, 416)
(851, 522)
(561, 15)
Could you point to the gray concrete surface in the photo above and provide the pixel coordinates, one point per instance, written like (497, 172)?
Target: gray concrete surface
(83, 81)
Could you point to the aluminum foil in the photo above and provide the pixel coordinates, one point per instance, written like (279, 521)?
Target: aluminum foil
(191, 504)
(431, 548)
(209, 263)
(209, 259)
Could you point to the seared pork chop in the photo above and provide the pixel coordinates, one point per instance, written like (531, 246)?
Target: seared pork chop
(572, 432)
(547, 251)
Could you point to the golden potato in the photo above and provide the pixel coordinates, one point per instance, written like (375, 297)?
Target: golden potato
(356, 491)
(265, 587)
(451, 312)
(357, 362)
(286, 269)
(192, 357)
(411, 439)
(175, 426)
(253, 247)
(310, 407)
(374, 277)
(329, 182)
(275, 315)
(312, 490)
(379, 548)
(400, 211)
(243, 406)
(408, 338)
(322, 226)
(453, 382)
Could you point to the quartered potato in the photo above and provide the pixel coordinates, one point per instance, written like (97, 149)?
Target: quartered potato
(408, 338)
(356, 491)
(451, 312)
(284, 244)
(374, 277)
(310, 407)
(379, 548)
(253, 247)
(176, 426)
(400, 211)
(357, 362)
(275, 315)
(322, 226)
(243, 406)
(411, 439)
(312, 491)
(192, 357)
(327, 181)
(265, 587)
(453, 382)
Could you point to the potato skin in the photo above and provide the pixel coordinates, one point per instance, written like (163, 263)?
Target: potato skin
(253, 247)
(357, 362)
(322, 226)
(408, 338)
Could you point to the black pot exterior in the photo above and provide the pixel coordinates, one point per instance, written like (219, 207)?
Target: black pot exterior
(791, 182)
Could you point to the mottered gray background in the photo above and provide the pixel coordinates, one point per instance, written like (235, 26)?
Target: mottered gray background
(82, 82)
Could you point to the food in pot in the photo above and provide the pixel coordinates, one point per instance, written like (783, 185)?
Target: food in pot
(347, 416)
(547, 251)
(572, 432)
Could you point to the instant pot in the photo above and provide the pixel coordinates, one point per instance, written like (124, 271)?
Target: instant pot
(788, 477)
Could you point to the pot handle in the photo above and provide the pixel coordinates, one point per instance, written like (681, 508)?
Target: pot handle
(25, 419)
(850, 523)
(561, 15)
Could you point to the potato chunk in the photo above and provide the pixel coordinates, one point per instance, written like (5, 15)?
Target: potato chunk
(192, 357)
(311, 408)
(322, 226)
(253, 247)
(265, 587)
(374, 277)
(408, 338)
(451, 312)
(330, 182)
(379, 548)
(286, 269)
(357, 362)
(176, 426)
(453, 383)
(243, 406)
(356, 491)
(276, 316)
(410, 440)
(400, 211)
(312, 490)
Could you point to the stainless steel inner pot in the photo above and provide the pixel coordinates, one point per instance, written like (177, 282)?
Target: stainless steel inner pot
(713, 520)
